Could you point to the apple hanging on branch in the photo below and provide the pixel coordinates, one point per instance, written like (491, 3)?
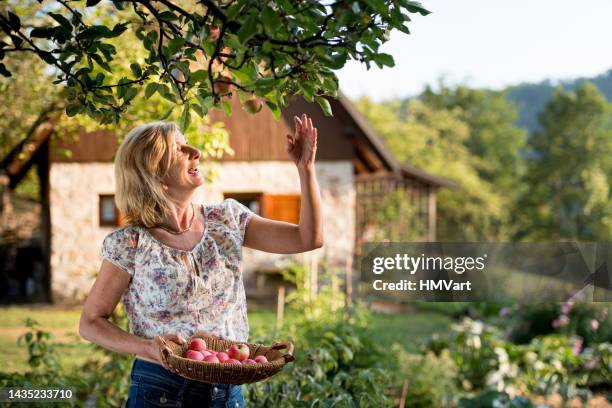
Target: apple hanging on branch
(253, 105)
(265, 51)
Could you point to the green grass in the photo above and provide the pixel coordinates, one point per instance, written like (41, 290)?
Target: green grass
(406, 329)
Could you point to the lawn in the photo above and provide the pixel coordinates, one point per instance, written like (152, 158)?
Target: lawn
(405, 329)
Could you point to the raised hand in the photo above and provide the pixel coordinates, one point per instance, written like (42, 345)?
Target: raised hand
(302, 147)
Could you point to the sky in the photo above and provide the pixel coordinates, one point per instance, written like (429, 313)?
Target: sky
(489, 43)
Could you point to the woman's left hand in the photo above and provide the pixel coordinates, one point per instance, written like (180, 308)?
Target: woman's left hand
(302, 147)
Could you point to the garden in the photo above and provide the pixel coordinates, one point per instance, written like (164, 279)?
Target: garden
(471, 354)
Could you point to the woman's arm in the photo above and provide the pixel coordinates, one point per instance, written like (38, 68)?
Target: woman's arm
(100, 303)
(283, 237)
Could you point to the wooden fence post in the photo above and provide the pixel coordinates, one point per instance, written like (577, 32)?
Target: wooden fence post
(402, 402)
(314, 270)
(280, 307)
(348, 282)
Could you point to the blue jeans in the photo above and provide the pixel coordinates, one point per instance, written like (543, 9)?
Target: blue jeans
(154, 386)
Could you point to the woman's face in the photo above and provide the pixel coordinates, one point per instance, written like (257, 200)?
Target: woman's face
(184, 173)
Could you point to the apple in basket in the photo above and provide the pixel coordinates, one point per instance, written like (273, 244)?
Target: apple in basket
(197, 344)
(261, 359)
(222, 356)
(249, 361)
(239, 352)
(211, 359)
(194, 355)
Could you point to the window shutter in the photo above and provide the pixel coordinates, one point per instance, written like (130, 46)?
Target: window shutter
(281, 207)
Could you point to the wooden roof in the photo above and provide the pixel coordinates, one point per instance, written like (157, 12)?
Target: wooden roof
(345, 136)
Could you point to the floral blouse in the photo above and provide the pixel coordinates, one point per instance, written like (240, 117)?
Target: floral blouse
(182, 292)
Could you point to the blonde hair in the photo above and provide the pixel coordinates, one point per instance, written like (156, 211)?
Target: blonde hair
(141, 164)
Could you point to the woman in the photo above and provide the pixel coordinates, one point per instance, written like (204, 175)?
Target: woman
(177, 265)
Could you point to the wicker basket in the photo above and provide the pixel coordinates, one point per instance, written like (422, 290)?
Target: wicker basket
(215, 373)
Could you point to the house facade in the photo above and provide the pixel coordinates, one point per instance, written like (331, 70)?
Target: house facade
(354, 169)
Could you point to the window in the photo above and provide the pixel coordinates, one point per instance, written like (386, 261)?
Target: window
(109, 214)
(281, 207)
(250, 200)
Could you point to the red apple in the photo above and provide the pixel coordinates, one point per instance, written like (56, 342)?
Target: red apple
(214, 33)
(211, 359)
(194, 355)
(261, 359)
(207, 353)
(197, 344)
(222, 356)
(231, 361)
(239, 351)
(253, 105)
(249, 361)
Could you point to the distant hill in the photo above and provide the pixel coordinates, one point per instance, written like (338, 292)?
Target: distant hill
(531, 97)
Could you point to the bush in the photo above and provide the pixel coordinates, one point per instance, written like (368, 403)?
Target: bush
(430, 378)
(329, 371)
(590, 321)
(96, 383)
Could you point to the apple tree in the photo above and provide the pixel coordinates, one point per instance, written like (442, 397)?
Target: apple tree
(197, 53)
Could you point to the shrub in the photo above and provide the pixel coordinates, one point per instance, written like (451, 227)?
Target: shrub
(430, 378)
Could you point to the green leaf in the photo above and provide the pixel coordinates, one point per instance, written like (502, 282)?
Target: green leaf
(272, 21)
(249, 28)
(63, 21)
(275, 110)
(185, 118)
(73, 109)
(198, 109)
(337, 61)
(235, 8)
(3, 71)
(168, 16)
(101, 62)
(378, 5)
(14, 21)
(165, 92)
(383, 59)
(93, 32)
(198, 76)
(118, 29)
(48, 58)
(167, 114)
(175, 44)
(414, 7)
(41, 32)
(227, 108)
(150, 90)
(108, 50)
(206, 102)
(308, 90)
(136, 70)
(130, 93)
(325, 106)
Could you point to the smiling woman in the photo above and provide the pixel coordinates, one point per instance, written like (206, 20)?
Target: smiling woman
(177, 265)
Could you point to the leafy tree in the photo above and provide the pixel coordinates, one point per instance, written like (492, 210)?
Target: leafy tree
(198, 52)
(435, 140)
(531, 97)
(494, 136)
(570, 169)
